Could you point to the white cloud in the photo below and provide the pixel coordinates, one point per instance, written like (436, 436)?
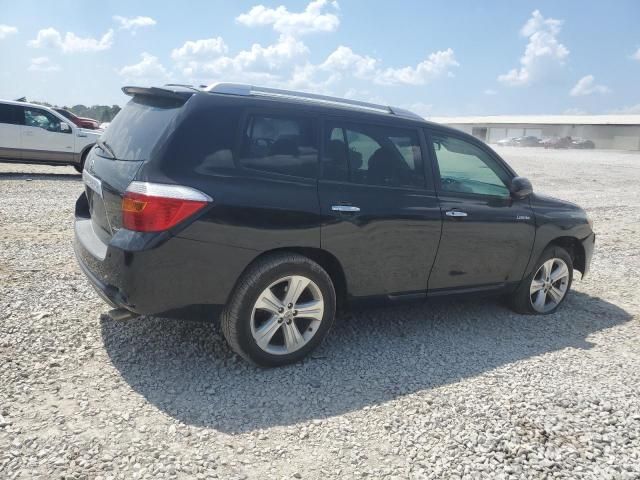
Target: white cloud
(543, 54)
(312, 19)
(435, 65)
(149, 69)
(286, 64)
(6, 30)
(587, 86)
(71, 43)
(134, 23)
(208, 47)
(42, 64)
(490, 91)
(629, 110)
(259, 62)
(634, 56)
(345, 60)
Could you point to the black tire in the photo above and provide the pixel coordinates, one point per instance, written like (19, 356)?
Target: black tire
(80, 167)
(236, 318)
(521, 301)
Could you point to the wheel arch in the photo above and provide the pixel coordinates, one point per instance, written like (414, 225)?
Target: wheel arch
(323, 258)
(575, 249)
(85, 151)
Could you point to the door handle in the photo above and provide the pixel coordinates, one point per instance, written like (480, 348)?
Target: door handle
(345, 208)
(28, 133)
(455, 213)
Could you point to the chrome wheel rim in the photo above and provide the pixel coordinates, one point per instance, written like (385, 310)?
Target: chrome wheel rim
(287, 315)
(549, 285)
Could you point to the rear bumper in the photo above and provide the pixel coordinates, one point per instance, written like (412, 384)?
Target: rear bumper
(588, 244)
(157, 274)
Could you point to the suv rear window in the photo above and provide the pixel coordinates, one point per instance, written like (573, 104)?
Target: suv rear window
(138, 127)
(276, 144)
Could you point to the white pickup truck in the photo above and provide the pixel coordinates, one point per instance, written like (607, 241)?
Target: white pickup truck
(36, 134)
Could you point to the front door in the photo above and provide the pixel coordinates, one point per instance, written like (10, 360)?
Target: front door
(487, 235)
(43, 139)
(381, 216)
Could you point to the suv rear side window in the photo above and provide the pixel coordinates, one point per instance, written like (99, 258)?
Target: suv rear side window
(279, 144)
(11, 114)
(373, 155)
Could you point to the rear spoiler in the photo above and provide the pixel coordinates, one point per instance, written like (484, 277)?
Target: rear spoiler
(176, 92)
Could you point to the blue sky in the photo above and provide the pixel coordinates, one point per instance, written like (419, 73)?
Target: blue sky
(436, 57)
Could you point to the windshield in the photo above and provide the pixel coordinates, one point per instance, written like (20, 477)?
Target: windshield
(140, 126)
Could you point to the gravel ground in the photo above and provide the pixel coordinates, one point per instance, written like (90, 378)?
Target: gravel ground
(449, 390)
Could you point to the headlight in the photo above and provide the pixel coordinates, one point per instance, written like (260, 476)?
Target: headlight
(590, 222)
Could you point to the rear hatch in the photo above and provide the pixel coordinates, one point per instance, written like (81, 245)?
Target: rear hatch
(137, 134)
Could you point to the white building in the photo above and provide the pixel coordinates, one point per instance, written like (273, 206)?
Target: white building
(621, 132)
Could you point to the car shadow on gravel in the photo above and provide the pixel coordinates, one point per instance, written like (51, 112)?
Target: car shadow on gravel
(370, 357)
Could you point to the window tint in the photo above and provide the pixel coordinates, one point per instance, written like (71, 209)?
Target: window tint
(373, 155)
(34, 117)
(466, 168)
(280, 145)
(141, 126)
(10, 114)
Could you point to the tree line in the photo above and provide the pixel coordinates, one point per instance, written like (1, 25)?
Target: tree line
(101, 113)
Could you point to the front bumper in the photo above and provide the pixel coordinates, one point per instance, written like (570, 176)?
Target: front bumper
(588, 245)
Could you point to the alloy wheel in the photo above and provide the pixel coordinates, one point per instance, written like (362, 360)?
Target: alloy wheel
(287, 315)
(549, 285)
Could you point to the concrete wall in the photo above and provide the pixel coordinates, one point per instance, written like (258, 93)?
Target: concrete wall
(618, 137)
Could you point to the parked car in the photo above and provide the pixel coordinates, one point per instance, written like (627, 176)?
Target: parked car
(82, 122)
(35, 134)
(528, 141)
(582, 143)
(507, 142)
(558, 142)
(277, 207)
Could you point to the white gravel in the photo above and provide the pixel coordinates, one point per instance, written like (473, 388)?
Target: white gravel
(450, 390)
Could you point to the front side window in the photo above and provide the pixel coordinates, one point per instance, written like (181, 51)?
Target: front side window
(34, 117)
(284, 145)
(373, 155)
(466, 168)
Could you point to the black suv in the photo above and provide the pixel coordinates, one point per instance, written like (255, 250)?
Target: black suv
(276, 207)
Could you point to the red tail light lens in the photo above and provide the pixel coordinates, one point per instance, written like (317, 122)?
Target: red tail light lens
(152, 207)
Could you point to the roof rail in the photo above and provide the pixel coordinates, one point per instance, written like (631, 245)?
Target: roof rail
(250, 90)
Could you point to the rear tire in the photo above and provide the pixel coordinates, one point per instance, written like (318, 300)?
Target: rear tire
(547, 286)
(281, 309)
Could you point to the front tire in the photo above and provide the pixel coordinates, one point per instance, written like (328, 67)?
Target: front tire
(281, 309)
(80, 168)
(544, 290)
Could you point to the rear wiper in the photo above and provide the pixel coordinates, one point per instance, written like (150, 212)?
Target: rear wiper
(104, 146)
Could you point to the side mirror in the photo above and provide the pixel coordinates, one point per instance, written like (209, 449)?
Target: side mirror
(521, 187)
(65, 127)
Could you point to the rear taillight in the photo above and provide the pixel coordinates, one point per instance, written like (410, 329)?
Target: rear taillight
(155, 207)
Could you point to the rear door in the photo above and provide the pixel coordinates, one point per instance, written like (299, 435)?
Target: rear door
(10, 132)
(382, 215)
(487, 235)
(43, 139)
(273, 195)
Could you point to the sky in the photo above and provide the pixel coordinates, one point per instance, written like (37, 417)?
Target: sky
(455, 57)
